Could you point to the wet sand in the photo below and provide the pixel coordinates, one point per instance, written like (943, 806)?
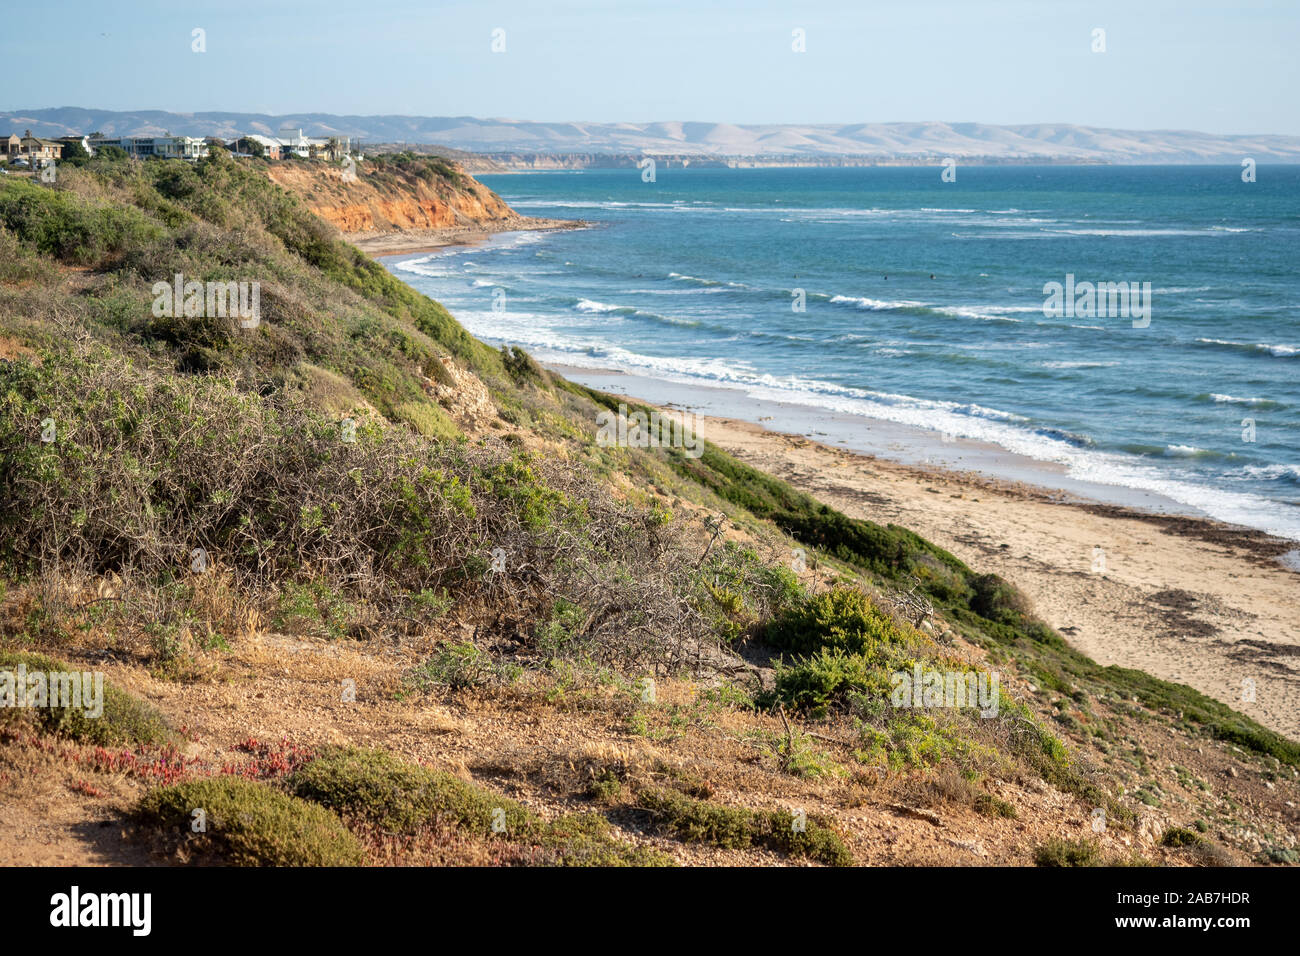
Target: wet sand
(411, 241)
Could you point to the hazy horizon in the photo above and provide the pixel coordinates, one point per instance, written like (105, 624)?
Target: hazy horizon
(632, 121)
(1166, 66)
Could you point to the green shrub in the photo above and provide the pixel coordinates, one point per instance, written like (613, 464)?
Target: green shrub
(68, 228)
(916, 740)
(125, 719)
(823, 681)
(1272, 854)
(842, 618)
(19, 264)
(400, 796)
(999, 600)
(311, 608)
(146, 467)
(892, 552)
(1176, 837)
(585, 839)
(247, 824)
(555, 634)
(698, 821)
(739, 591)
(429, 420)
(604, 786)
(796, 755)
(459, 666)
(1062, 852)
(522, 367)
(989, 805)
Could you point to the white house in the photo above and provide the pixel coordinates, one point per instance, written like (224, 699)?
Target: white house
(293, 141)
(243, 145)
(164, 147)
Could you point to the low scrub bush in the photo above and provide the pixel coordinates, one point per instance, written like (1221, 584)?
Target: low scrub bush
(1059, 852)
(125, 719)
(818, 683)
(842, 618)
(400, 796)
(1176, 837)
(111, 468)
(70, 230)
(699, 821)
(246, 823)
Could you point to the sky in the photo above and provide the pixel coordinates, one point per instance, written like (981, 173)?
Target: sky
(1222, 67)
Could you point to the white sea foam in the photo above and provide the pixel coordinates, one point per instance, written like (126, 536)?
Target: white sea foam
(876, 305)
(1272, 472)
(1142, 232)
(1077, 364)
(587, 305)
(680, 277)
(1281, 351)
(983, 313)
(1234, 400)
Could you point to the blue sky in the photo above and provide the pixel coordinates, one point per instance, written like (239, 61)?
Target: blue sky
(1223, 67)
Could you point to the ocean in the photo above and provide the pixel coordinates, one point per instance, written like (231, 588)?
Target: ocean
(887, 296)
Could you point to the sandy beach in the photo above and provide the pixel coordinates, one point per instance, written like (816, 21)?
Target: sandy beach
(1185, 599)
(407, 241)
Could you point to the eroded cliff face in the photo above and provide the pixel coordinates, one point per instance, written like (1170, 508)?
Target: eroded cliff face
(386, 198)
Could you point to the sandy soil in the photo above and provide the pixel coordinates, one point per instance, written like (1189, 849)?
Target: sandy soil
(55, 810)
(430, 240)
(1185, 599)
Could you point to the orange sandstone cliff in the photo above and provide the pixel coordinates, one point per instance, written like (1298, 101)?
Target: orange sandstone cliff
(388, 197)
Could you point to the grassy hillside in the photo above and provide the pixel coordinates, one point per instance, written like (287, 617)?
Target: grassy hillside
(358, 470)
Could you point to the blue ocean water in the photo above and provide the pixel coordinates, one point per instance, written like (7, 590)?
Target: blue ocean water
(924, 305)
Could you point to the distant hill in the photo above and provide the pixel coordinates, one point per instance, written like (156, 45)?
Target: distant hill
(1046, 141)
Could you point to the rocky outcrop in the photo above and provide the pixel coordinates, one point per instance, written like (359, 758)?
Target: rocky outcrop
(384, 198)
(463, 395)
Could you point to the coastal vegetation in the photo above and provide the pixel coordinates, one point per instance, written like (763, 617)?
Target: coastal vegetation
(356, 472)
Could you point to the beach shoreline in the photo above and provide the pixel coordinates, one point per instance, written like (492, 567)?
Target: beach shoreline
(905, 444)
(1180, 596)
(1186, 599)
(413, 241)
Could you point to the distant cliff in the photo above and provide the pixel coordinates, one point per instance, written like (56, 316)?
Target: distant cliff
(395, 195)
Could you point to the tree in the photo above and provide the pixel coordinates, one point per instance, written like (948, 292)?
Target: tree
(253, 148)
(75, 154)
(111, 154)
